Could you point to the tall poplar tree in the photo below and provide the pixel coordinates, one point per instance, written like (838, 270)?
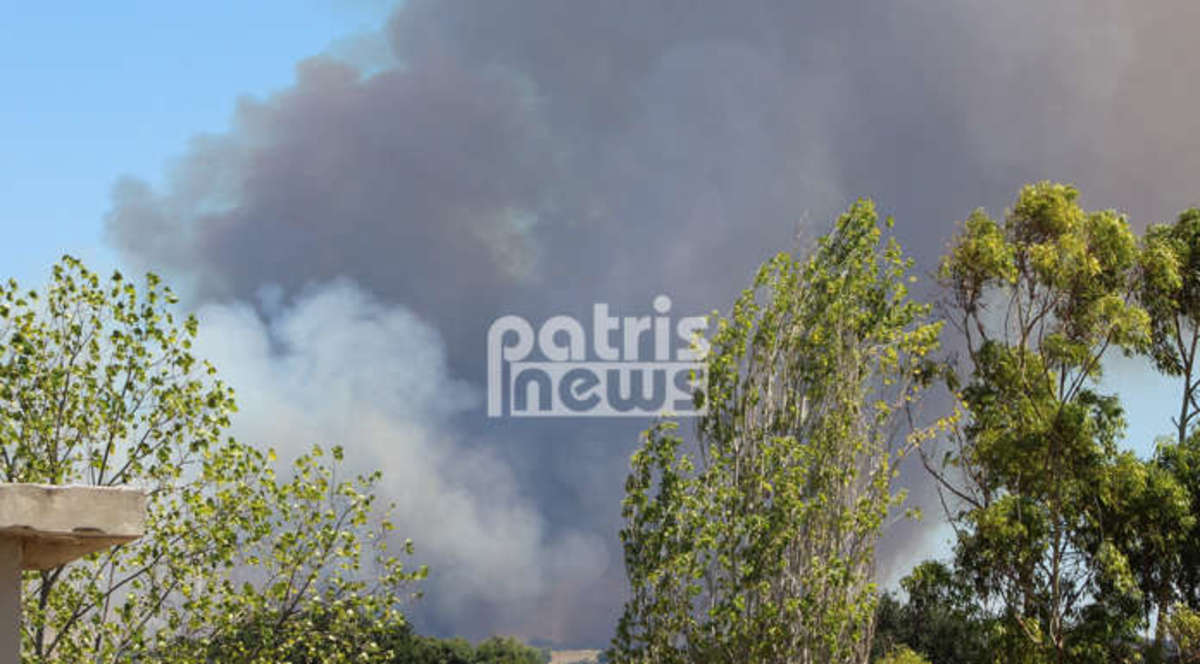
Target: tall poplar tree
(757, 544)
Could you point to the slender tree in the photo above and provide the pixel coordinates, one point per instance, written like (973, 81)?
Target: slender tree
(759, 545)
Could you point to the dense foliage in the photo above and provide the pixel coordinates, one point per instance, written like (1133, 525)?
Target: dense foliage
(1068, 548)
(377, 642)
(759, 546)
(98, 386)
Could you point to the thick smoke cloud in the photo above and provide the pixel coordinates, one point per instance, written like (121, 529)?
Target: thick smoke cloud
(339, 367)
(534, 157)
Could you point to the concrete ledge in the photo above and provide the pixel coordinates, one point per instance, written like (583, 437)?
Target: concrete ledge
(57, 524)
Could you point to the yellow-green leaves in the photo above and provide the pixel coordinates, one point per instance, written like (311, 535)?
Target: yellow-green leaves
(1183, 624)
(979, 257)
(98, 386)
(763, 550)
(1037, 488)
(1045, 212)
(902, 655)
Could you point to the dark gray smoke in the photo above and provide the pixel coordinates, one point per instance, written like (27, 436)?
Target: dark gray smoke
(535, 157)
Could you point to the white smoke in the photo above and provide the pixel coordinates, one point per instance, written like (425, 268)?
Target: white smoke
(338, 367)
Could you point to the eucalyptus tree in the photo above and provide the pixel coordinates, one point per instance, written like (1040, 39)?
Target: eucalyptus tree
(1169, 546)
(757, 542)
(1169, 289)
(1039, 298)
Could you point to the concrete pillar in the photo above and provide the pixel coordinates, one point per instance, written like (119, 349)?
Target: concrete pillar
(42, 527)
(10, 600)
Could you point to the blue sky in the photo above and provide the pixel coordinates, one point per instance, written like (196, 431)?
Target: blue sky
(96, 90)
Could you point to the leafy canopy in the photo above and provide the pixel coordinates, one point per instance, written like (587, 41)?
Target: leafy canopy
(759, 546)
(98, 386)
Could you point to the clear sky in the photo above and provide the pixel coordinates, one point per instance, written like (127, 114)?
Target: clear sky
(95, 90)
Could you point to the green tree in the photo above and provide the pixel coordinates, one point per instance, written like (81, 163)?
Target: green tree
(508, 650)
(409, 648)
(317, 584)
(902, 655)
(1170, 291)
(1182, 461)
(759, 547)
(1183, 625)
(98, 386)
(1147, 516)
(941, 619)
(1039, 299)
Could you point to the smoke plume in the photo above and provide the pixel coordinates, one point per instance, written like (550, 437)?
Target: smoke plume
(353, 236)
